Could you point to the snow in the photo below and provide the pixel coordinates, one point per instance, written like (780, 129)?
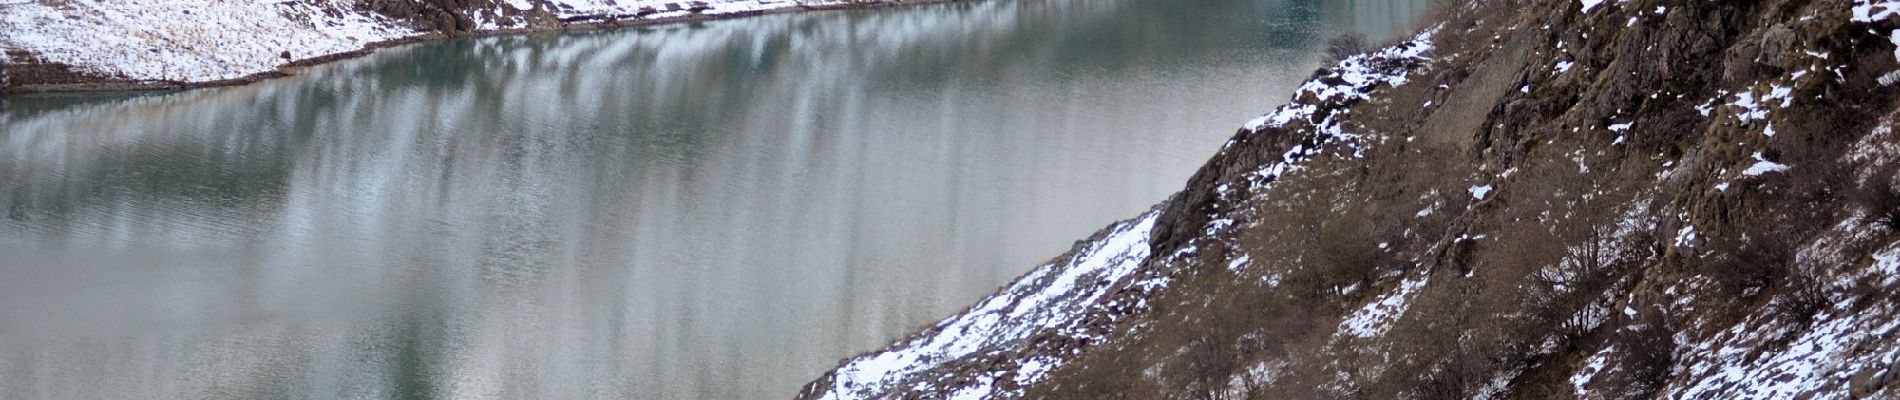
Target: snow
(1478, 192)
(1619, 127)
(1895, 38)
(186, 40)
(210, 40)
(1054, 298)
(1563, 66)
(1809, 363)
(1581, 381)
(979, 391)
(1034, 368)
(1281, 117)
(1376, 317)
(1778, 92)
(1685, 237)
(1360, 74)
(1763, 166)
(1887, 266)
(1239, 263)
(1356, 78)
(1880, 146)
(1051, 297)
(1751, 109)
(1869, 11)
(1257, 375)
(584, 8)
(1590, 5)
(1875, 10)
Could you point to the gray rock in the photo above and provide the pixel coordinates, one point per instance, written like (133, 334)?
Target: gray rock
(1740, 65)
(1776, 45)
(1867, 382)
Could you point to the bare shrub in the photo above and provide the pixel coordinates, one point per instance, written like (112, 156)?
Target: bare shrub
(1881, 198)
(1648, 351)
(1443, 9)
(1745, 265)
(1345, 45)
(1803, 298)
(1348, 252)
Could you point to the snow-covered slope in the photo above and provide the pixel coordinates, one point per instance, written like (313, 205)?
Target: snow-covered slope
(198, 41)
(187, 40)
(1010, 340)
(1052, 304)
(1537, 199)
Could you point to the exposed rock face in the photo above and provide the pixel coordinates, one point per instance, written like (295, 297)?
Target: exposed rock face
(1534, 199)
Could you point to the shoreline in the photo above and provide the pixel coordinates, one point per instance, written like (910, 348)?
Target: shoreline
(288, 69)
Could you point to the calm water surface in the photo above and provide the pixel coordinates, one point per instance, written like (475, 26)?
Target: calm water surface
(707, 211)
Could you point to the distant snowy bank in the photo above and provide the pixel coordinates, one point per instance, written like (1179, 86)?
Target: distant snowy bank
(77, 44)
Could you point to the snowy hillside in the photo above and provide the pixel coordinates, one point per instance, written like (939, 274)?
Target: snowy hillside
(191, 41)
(186, 40)
(1536, 199)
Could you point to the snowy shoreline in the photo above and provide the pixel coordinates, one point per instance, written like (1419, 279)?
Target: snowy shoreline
(41, 49)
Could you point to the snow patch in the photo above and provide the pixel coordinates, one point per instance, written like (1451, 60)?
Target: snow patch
(1377, 317)
(1875, 10)
(1763, 166)
(1478, 192)
(1051, 297)
(187, 40)
(203, 41)
(1813, 361)
(1590, 5)
(1581, 381)
(1685, 237)
(1358, 75)
(1887, 265)
(1751, 109)
(1239, 263)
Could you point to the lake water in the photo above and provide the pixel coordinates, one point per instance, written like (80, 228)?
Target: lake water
(717, 210)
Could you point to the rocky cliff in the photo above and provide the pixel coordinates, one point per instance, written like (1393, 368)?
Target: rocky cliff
(70, 45)
(1596, 199)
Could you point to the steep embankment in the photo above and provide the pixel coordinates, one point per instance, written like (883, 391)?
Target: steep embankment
(71, 45)
(1532, 199)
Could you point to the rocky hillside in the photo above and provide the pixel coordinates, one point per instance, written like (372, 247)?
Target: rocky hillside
(1595, 199)
(65, 45)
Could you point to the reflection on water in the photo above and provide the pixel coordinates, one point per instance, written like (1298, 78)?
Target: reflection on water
(716, 210)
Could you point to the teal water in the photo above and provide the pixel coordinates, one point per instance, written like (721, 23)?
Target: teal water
(718, 210)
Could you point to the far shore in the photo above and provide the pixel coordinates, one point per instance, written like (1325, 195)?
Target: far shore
(291, 68)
